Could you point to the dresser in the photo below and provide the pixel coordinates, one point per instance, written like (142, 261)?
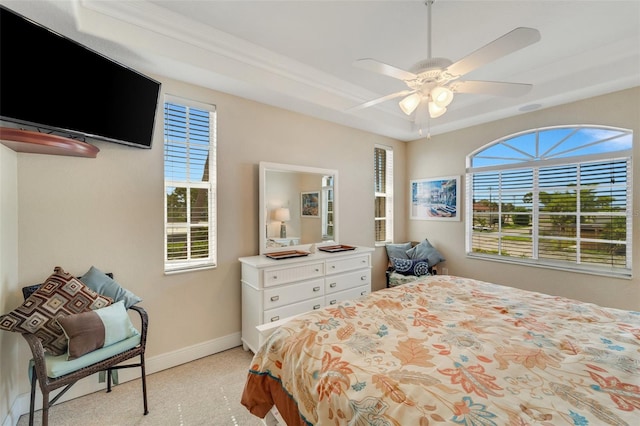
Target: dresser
(273, 290)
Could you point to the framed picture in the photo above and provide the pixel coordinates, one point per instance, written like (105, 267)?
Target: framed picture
(435, 198)
(309, 206)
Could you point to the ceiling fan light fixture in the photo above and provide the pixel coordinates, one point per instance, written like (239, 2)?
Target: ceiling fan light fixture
(441, 96)
(436, 111)
(410, 103)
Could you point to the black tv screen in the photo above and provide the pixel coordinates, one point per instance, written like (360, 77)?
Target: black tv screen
(52, 82)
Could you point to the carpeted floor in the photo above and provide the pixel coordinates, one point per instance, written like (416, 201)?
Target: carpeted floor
(203, 392)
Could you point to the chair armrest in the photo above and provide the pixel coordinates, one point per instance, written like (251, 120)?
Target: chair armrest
(144, 321)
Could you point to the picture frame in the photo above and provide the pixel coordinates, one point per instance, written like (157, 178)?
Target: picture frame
(310, 204)
(435, 199)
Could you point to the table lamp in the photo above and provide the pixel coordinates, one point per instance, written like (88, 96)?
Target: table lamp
(282, 215)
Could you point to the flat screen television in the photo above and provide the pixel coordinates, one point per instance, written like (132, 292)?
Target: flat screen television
(48, 81)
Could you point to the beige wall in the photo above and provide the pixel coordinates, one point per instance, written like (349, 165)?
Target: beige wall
(445, 155)
(108, 212)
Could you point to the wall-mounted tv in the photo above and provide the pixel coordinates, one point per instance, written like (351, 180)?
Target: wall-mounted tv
(51, 82)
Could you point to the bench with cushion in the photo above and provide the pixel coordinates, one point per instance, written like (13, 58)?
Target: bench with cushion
(411, 260)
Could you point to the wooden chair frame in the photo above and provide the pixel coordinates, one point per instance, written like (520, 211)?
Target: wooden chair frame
(49, 384)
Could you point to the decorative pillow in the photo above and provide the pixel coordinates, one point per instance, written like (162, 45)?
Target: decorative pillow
(411, 266)
(61, 294)
(398, 250)
(425, 250)
(93, 330)
(103, 284)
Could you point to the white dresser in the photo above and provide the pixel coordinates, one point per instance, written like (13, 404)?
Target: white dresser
(276, 289)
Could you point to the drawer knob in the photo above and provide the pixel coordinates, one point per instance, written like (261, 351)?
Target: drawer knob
(275, 298)
(332, 285)
(333, 302)
(363, 293)
(317, 270)
(275, 277)
(316, 307)
(275, 318)
(316, 289)
(363, 278)
(333, 266)
(364, 260)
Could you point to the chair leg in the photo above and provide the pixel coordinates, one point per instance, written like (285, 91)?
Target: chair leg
(108, 380)
(33, 395)
(144, 384)
(45, 408)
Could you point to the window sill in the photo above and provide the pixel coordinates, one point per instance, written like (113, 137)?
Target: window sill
(621, 274)
(179, 268)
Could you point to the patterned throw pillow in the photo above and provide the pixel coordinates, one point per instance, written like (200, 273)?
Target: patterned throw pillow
(62, 294)
(411, 266)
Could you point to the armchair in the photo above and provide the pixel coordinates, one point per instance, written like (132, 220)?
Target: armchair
(53, 372)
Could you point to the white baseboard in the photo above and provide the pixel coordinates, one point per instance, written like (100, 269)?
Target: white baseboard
(153, 365)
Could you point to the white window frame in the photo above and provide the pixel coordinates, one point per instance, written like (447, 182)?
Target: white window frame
(387, 194)
(191, 264)
(533, 163)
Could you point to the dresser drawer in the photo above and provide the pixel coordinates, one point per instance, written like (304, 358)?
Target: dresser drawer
(293, 309)
(346, 281)
(353, 293)
(348, 264)
(277, 276)
(292, 293)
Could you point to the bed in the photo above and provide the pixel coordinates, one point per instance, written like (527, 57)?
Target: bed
(451, 350)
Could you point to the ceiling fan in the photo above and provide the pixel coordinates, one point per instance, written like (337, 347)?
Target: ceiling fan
(432, 82)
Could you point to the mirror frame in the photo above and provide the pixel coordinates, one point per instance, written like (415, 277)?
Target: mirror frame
(265, 167)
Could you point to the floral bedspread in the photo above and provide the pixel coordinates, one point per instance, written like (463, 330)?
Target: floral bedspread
(450, 350)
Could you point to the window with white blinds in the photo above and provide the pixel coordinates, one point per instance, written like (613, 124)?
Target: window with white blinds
(556, 197)
(190, 185)
(383, 173)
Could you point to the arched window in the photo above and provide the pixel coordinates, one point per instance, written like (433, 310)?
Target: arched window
(556, 197)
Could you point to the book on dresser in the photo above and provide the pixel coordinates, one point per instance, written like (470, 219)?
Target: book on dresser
(276, 289)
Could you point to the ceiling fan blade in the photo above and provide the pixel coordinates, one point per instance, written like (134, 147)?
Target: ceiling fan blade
(380, 100)
(510, 42)
(496, 88)
(385, 69)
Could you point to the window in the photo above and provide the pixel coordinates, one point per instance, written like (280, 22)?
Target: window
(557, 197)
(190, 185)
(383, 171)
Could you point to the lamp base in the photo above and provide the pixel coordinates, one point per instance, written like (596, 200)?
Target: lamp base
(283, 230)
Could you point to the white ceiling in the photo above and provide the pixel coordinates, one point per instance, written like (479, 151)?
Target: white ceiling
(299, 55)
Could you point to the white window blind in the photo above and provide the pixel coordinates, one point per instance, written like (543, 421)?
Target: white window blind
(383, 176)
(190, 178)
(530, 200)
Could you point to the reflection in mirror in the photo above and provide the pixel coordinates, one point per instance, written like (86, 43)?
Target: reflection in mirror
(298, 206)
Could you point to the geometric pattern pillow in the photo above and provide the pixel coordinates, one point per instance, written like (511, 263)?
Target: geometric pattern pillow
(61, 294)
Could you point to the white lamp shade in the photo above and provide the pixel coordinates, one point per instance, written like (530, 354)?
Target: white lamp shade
(441, 96)
(410, 103)
(282, 215)
(435, 111)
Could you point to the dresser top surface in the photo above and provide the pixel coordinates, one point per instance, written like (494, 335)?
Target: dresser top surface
(262, 261)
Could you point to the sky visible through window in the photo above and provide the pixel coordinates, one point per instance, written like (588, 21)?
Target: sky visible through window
(561, 142)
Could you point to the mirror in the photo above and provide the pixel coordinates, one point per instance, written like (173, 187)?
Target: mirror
(298, 206)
